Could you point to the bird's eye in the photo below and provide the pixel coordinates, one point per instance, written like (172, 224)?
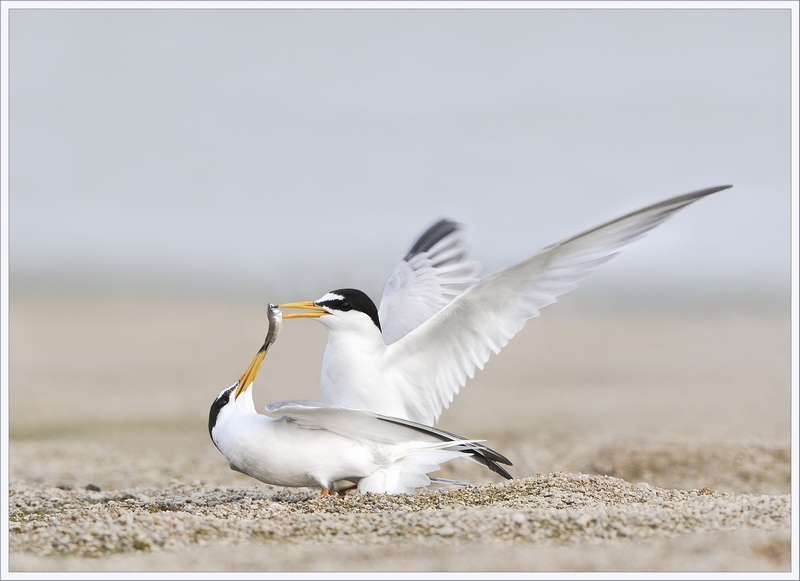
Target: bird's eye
(345, 306)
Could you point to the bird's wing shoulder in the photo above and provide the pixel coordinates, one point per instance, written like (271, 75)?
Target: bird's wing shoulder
(436, 359)
(432, 274)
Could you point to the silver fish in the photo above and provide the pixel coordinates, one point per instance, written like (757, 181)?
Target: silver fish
(275, 318)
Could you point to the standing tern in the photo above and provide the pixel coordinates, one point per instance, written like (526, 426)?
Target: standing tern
(321, 444)
(437, 323)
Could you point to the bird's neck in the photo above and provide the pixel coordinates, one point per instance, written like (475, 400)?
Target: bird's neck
(352, 366)
(245, 400)
(361, 339)
(232, 413)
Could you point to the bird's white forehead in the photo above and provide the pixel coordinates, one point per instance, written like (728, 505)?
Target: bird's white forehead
(329, 297)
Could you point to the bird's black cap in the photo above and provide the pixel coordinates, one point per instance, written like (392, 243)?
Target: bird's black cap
(352, 300)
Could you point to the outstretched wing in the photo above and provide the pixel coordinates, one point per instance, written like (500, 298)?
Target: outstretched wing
(432, 274)
(436, 359)
(370, 428)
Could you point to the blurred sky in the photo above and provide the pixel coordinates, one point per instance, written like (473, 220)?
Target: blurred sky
(284, 153)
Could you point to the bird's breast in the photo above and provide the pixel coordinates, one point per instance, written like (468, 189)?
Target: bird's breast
(354, 375)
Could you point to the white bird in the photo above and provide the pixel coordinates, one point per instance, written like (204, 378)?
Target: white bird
(318, 444)
(437, 323)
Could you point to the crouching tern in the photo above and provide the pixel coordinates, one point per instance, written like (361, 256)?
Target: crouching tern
(438, 322)
(320, 444)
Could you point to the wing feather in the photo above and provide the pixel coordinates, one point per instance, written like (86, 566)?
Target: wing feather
(485, 317)
(375, 430)
(432, 274)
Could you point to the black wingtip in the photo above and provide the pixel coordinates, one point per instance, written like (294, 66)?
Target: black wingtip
(480, 453)
(431, 236)
(497, 469)
(490, 459)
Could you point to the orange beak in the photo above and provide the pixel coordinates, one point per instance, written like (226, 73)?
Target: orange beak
(314, 311)
(246, 380)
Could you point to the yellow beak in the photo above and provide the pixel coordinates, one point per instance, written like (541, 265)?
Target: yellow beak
(246, 380)
(315, 311)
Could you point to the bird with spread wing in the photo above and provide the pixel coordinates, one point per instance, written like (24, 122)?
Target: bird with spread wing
(438, 322)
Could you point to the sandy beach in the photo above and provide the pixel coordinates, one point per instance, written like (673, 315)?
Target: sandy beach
(643, 439)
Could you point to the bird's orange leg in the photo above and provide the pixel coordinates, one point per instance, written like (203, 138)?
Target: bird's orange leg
(342, 492)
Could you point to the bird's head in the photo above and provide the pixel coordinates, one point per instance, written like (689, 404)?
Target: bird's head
(227, 399)
(343, 307)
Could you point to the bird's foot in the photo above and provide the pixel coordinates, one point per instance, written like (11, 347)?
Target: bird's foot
(341, 492)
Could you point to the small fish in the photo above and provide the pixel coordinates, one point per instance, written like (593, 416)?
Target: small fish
(275, 318)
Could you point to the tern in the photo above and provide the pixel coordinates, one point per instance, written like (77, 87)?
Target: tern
(438, 323)
(317, 444)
